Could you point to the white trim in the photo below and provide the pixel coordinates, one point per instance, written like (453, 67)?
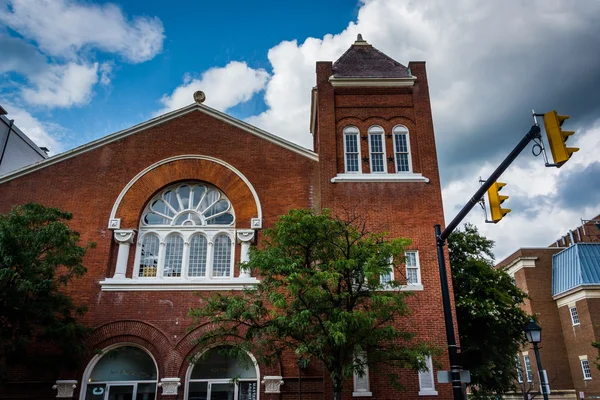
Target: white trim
(191, 365)
(160, 120)
(184, 157)
(585, 357)
(171, 284)
(418, 267)
(579, 293)
(357, 134)
(528, 370)
(372, 82)
(90, 367)
(520, 263)
(414, 177)
(407, 134)
(362, 393)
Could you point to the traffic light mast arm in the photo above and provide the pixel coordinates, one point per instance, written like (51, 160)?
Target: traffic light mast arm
(534, 133)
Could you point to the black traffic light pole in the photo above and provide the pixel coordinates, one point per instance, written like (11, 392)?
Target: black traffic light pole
(534, 133)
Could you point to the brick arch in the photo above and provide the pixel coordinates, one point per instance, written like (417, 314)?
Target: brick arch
(233, 183)
(187, 347)
(133, 328)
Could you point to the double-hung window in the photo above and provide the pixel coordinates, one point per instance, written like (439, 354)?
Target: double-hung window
(574, 315)
(585, 368)
(413, 269)
(519, 370)
(528, 371)
(377, 150)
(426, 381)
(352, 150)
(402, 149)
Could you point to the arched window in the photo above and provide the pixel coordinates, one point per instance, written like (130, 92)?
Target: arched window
(352, 149)
(186, 231)
(125, 372)
(402, 149)
(218, 376)
(377, 150)
(149, 255)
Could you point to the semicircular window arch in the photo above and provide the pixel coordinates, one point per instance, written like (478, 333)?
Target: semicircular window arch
(189, 204)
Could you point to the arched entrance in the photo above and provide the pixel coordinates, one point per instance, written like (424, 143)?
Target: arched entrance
(123, 372)
(217, 376)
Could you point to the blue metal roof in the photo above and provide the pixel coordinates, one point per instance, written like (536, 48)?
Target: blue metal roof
(575, 266)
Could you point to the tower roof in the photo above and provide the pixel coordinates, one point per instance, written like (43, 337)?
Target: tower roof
(362, 60)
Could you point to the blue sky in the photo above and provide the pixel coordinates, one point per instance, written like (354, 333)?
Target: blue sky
(75, 70)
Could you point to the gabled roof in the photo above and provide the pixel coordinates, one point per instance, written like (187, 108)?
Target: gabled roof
(159, 120)
(362, 60)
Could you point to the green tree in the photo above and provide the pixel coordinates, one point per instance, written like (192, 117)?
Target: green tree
(39, 254)
(320, 295)
(490, 320)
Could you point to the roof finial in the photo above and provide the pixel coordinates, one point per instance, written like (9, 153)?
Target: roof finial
(199, 96)
(360, 41)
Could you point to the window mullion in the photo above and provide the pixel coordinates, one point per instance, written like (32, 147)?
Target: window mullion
(161, 258)
(185, 262)
(209, 258)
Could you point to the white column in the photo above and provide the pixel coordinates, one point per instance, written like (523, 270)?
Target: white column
(161, 258)
(209, 257)
(65, 388)
(124, 238)
(245, 237)
(169, 386)
(186, 259)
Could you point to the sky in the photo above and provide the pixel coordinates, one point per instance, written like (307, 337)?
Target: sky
(72, 71)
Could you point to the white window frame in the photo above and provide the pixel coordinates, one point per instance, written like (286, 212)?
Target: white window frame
(528, 371)
(402, 130)
(519, 370)
(574, 315)
(186, 233)
(418, 268)
(360, 392)
(354, 131)
(587, 375)
(427, 391)
(408, 286)
(382, 134)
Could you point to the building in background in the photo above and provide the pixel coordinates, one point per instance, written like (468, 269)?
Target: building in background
(175, 203)
(563, 285)
(16, 149)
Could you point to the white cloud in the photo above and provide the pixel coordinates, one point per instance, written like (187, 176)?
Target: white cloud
(64, 27)
(538, 217)
(42, 134)
(62, 85)
(224, 87)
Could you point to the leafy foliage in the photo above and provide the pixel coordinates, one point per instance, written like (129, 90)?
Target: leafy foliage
(320, 295)
(39, 254)
(490, 320)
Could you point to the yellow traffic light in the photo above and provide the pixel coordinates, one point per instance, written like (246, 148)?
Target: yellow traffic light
(557, 137)
(496, 200)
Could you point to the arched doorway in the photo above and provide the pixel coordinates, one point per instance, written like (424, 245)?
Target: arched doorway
(124, 372)
(217, 376)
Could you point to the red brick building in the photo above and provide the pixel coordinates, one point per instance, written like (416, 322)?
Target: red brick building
(174, 204)
(563, 285)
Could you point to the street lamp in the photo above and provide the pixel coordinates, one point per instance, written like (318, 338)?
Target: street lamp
(533, 332)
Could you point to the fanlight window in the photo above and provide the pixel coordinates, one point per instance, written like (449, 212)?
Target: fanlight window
(189, 205)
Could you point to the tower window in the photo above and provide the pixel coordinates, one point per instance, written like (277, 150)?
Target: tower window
(402, 149)
(377, 150)
(352, 149)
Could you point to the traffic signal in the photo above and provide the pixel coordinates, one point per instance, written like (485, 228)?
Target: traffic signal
(496, 201)
(557, 138)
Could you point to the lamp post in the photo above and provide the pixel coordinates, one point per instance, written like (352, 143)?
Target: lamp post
(533, 332)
